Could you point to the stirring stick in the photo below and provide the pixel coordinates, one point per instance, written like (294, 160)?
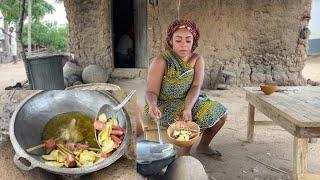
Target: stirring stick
(39, 146)
(94, 149)
(61, 147)
(35, 148)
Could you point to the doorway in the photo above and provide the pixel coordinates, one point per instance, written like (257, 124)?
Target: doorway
(123, 34)
(127, 14)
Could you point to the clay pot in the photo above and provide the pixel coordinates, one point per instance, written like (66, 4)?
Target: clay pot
(268, 89)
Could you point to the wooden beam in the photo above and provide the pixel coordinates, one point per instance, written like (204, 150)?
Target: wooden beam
(140, 31)
(264, 123)
(300, 153)
(309, 176)
(250, 129)
(309, 132)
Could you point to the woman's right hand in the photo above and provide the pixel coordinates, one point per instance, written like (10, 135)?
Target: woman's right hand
(154, 112)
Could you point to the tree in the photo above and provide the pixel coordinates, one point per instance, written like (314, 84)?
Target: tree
(47, 35)
(10, 10)
(14, 12)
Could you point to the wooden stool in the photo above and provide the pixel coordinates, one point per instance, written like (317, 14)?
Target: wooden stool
(150, 130)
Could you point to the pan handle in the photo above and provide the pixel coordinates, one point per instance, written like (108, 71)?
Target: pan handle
(145, 162)
(18, 162)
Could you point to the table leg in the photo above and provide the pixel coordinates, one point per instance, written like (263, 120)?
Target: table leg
(300, 153)
(250, 129)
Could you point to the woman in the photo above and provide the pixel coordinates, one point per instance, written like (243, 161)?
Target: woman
(173, 86)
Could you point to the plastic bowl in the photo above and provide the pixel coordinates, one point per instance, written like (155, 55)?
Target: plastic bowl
(176, 126)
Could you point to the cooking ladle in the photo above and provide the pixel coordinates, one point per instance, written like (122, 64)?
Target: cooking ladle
(110, 111)
(161, 147)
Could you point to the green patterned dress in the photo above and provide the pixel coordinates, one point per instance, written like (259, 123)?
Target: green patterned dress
(174, 88)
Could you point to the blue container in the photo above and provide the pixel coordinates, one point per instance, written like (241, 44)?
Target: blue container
(45, 72)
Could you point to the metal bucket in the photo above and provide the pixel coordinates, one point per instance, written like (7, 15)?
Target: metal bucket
(33, 113)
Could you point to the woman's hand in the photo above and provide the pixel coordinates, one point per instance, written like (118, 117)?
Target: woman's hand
(154, 112)
(187, 115)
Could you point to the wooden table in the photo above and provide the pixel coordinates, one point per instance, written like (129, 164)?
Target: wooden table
(297, 110)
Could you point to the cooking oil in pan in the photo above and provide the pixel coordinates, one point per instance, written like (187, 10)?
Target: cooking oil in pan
(75, 127)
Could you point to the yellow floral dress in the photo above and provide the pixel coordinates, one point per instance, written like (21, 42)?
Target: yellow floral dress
(175, 85)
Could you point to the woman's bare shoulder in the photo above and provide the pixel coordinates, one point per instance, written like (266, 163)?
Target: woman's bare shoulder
(159, 61)
(196, 58)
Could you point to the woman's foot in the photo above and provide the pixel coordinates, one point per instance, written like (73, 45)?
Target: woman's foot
(210, 152)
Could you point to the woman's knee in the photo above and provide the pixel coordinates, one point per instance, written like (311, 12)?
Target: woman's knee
(224, 118)
(221, 122)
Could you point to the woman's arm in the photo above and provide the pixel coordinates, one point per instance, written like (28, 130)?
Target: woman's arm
(194, 91)
(154, 79)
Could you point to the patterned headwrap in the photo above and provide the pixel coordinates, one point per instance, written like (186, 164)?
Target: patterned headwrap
(183, 23)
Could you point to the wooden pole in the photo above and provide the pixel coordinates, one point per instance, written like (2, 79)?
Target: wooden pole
(300, 154)
(250, 125)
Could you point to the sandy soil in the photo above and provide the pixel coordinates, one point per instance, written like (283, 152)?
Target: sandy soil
(312, 68)
(10, 74)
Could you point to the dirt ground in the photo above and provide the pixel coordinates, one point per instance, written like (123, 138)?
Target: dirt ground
(10, 74)
(272, 144)
(312, 68)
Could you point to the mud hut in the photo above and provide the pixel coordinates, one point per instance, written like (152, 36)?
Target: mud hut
(257, 41)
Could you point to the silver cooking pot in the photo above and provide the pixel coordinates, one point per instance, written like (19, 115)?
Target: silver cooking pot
(34, 112)
(149, 163)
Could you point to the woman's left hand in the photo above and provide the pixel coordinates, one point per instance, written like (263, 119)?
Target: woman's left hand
(187, 116)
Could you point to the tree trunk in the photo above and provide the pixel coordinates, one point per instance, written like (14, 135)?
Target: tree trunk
(19, 38)
(6, 39)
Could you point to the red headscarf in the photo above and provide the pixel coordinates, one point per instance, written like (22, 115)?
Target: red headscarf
(183, 23)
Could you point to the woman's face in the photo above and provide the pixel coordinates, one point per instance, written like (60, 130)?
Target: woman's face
(182, 41)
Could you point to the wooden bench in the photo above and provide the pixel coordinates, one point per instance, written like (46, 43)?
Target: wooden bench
(297, 110)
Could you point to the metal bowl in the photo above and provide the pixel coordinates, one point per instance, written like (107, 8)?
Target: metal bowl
(148, 163)
(34, 112)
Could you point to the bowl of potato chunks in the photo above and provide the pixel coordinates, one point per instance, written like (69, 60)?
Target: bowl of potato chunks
(183, 133)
